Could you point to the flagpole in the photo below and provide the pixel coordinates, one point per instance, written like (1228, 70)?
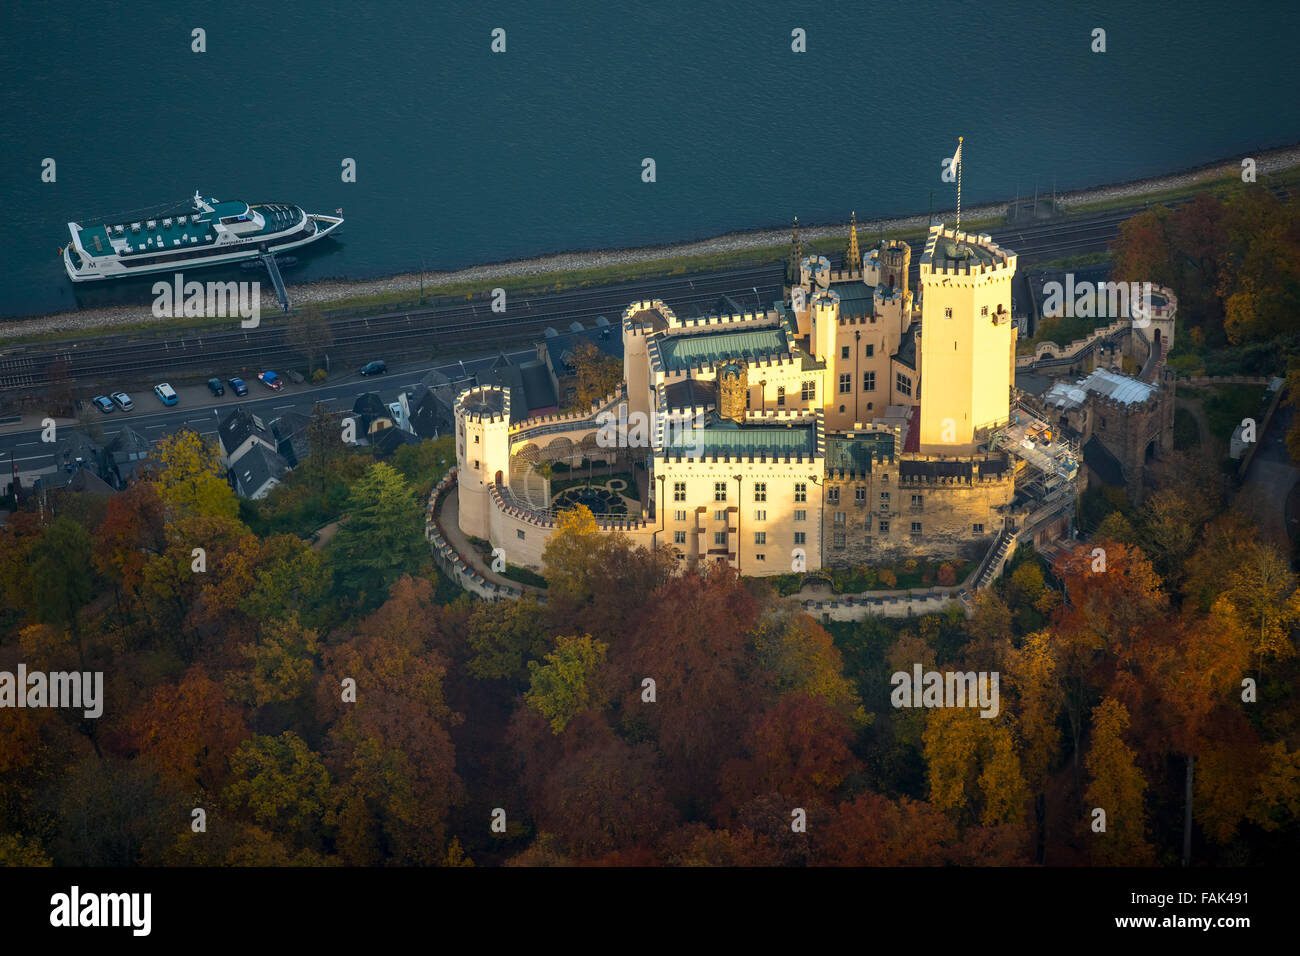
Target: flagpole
(961, 160)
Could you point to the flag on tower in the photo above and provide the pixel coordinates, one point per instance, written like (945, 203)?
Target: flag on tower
(956, 157)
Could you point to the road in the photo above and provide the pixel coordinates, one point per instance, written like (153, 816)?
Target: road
(1270, 482)
(200, 410)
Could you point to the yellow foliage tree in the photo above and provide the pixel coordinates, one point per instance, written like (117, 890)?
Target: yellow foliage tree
(1117, 787)
(191, 480)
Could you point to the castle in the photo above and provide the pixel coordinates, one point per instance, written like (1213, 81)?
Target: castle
(858, 421)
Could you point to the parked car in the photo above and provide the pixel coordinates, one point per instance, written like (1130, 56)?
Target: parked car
(271, 380)
(215, 387)
(123, 401)
(374, 368)
(103, 403)
(166, 394)
(237, 386)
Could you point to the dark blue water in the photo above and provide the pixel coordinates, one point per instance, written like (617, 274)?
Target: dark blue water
(466, 157)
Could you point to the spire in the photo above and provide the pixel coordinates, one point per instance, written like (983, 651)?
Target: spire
(853, 259)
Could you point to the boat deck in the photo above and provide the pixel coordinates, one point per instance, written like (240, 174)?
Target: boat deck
(174, 233)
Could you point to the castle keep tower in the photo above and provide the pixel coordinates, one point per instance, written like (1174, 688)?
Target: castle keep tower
(967, 340)
(733, 386)
(482, 453)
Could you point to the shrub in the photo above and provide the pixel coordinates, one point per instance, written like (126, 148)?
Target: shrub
(947, 574)
(318, 376)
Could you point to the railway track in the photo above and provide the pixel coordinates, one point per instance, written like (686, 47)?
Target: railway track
(28, 368)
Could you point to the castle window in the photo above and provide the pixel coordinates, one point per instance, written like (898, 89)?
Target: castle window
(860, 494)
(839, 540)
(760, 515)
(984, 310)
(800, 515)
(1103, 422)
(720, 539)
(840, 517)
(809, 391)
(760, 537)
(884, 497)
(519, 533)
(760, 491)
(884, 527)
(917, 500)
(978, 528)
(748, 397)
(844, 352)
(719, 491)
(868, 381)
(476, 439)
(780, 395)
(903, 384)
(679, 491)
(800, 492)
(871, 350)
(800, 537)
(760, 557)
(476, 464)
(833, 495)
(679, 537)
(846, 385)
(947, 313)
(841, 409)
(916, 527)
(720, 515)
(679, 515)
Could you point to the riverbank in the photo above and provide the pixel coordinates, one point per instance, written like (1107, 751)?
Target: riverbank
(588, 268)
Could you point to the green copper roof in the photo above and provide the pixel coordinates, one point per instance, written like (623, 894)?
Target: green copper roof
(725, 439)
(688, 351)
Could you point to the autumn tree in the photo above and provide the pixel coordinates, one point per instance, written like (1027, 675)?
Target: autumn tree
(1117, 787)
(390, 750)
(283, 785)
(691, 641)
(62, 576)
(504, 636)
(597, 374)
(973, 768)
(191, 479)
(188, 732)
(569, 681)
(799, 749)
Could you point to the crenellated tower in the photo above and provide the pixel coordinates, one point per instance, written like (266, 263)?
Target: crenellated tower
(967, 340)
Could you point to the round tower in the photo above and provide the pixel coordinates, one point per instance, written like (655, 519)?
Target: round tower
(482, 453)
(733, 385)
(895, 260)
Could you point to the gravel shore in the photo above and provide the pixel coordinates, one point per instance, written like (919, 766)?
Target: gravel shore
(333, 290)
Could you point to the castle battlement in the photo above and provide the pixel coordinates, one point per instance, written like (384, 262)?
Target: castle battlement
(984, 257)
(489, 404)
(546, 520)
(520, 430)
(704, 322)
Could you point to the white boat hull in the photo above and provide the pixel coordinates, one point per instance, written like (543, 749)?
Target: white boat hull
(114, 269)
